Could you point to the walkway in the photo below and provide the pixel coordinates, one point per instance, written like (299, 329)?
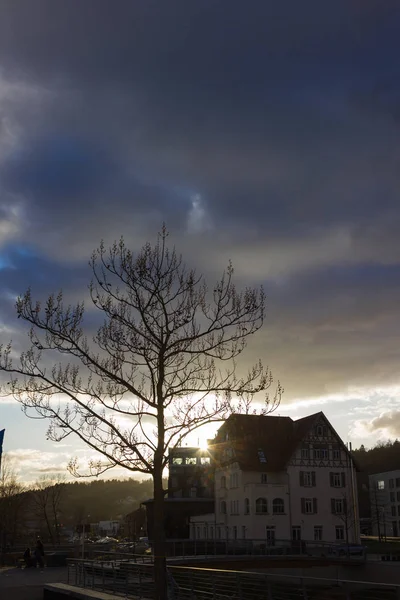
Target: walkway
(27, 584)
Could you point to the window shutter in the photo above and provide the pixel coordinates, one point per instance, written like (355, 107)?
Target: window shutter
(345, 506)
(313, 478)
(343, 477)
(333, 511)
(302, 478)
(303, 505)
(315, 506)
(331, 478)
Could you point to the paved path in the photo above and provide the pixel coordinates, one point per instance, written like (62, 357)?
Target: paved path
(27, 584)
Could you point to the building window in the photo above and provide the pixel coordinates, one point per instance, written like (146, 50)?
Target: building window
(320, 430)
(219, 532)
(339, 532)
(391, 483)
(393, 511)
(246, 506)
(337, 480)
(321, 453)
(338, 506)
(234, 507)
(398, 509)
(243, 532)
(234, 531)
(223, 481)
(233, 480)
(177, 460)
(223, 507)
(205, 460)
(198, 533)
(296, 533)
(278, 506)
(393, 497)
(193, 492)
(397, 481)
(309, 506)
(264, 478)
(191, 460)
(380, 485)
(205, 532)
(261, 456)
(397, 496)
(318, 533)
(270, 535)
(336, 454)
(261, 506)
(305, 452)
(212, 533)
(307, 478)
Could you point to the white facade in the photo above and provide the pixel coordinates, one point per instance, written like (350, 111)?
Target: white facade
(313, 498)
(385, 503)
(108, 527)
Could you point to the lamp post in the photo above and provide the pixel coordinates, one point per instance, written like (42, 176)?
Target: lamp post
(83, 535)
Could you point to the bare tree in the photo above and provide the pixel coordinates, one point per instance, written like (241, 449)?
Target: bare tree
(11, 503)
(46, 497)
(162, 364)
(346, 515)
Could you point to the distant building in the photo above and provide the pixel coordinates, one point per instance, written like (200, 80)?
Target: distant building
(190, 490)
(191, 473)
(385, 503)
(134, 524)
(110, 528)
(276, 478)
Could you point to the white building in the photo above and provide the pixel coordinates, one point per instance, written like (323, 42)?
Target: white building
(384, 489)
(109, 527)
(279, 479)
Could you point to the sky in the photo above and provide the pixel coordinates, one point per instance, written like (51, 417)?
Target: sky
(262, 132)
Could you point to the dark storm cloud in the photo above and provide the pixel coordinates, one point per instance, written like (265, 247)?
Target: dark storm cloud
(267, 133)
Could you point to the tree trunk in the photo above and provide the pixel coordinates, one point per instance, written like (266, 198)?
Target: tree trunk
(160, 572)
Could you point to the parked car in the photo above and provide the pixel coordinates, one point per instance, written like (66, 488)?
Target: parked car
(348, 550)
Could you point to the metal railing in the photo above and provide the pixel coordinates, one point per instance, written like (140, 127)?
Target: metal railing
(134, 580)
(260, 547)
(184, 548)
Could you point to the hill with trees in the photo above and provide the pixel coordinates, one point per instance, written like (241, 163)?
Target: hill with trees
(385, 456)
(52, 506)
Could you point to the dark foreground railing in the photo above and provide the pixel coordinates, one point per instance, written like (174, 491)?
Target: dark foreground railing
(135, 580)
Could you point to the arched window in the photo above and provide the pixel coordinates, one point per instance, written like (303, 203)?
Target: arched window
(223, 507)
(246, 506)
(278, 506)
(261, 506)
(223, 481)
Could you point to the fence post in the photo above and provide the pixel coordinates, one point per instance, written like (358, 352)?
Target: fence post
(268, 587)
(304, 589)
(191, 584)
(239, 591)
(214, 587)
